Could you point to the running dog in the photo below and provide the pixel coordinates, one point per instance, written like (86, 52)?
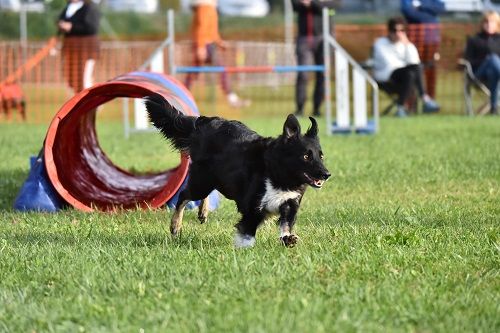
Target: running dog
(264, 176)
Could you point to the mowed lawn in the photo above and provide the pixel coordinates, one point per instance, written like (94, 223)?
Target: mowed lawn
(405, 237)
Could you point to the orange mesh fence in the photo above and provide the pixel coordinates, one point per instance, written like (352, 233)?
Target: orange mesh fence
(48, 74)
(47, 82)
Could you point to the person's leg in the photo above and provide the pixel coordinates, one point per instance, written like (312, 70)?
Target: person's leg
(430, 69)
(403, 81)
(301, 50)
(319, 87)
(489, 71)
(190, 77)
(213, 59)
(429, 105)
(233, 99)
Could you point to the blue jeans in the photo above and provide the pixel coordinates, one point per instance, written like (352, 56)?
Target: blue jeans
(489, 72)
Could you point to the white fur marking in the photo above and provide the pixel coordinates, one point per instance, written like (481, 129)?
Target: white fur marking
(273, 198)
(284, 231)
(243, 241)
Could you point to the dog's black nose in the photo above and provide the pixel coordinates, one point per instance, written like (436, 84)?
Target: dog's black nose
(326, 175)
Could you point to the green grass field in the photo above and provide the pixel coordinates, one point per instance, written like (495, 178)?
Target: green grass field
(404, 237)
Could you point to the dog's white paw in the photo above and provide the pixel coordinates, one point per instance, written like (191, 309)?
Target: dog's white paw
(243, 241)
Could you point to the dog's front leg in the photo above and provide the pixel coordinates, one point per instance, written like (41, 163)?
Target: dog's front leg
(288, 216)
(246, 229)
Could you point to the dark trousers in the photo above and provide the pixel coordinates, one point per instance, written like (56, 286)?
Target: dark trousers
(430, 69)
(403, 81)
(305, 46)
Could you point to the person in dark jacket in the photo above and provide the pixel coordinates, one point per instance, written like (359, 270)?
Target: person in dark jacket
(423, 16)
(310, 40)
(483, 52)
(79, 24)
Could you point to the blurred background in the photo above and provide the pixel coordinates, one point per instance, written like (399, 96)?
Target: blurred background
(259, 32)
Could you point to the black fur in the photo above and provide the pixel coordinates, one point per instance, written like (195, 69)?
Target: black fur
(229, 157)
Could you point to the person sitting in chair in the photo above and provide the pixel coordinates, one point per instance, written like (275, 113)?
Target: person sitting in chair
(397, 67)
(482, 51)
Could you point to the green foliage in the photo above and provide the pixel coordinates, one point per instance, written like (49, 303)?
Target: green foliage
(169, 4)
(404, 237)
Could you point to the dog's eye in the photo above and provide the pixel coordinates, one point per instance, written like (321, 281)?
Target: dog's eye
(306, 157)
(321, 155)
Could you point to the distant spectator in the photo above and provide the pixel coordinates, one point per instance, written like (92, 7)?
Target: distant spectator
(483, 51)
(79, 23)
(397, 67)
(206, 39)
(310, 41)
(427, 36)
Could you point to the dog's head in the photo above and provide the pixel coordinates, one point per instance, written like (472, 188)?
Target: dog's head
(302, 154)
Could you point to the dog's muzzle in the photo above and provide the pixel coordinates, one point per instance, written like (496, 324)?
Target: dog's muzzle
(317, 182)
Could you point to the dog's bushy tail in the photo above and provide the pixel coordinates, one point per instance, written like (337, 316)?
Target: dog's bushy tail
(173, 124)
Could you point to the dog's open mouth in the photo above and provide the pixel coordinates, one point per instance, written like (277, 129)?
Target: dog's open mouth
(318, 183)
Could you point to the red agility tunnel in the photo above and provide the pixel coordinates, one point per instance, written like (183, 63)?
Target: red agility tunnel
(81, 172)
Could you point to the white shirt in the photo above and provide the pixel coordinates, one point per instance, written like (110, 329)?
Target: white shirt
(73, 7)
(389, 56)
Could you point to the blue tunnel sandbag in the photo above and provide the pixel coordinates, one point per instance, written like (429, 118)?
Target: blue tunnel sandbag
(37, 192)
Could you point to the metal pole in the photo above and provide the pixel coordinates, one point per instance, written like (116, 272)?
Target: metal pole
(23, 31)
(171, 38)
(288, 22)
(328, 84)
(126, 123)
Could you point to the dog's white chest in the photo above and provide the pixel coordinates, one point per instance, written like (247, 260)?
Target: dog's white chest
(273, 198)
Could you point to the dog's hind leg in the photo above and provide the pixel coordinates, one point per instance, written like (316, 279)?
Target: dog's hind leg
(203, 210)
(176, 223)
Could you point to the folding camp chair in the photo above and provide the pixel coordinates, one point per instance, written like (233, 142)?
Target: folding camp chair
(471, 81)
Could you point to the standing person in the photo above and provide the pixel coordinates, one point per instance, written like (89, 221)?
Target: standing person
(427, 34)
(206, 39)
(310, 41)
(397, 67)
(79, 24)
(483, 51)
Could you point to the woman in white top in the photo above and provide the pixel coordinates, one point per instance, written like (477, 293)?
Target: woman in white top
(397, 68)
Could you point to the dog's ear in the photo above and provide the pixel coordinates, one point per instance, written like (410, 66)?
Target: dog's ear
(291, 127)
(312, 131)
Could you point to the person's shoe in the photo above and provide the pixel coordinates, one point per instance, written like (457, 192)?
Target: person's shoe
(316, 113)
(430, 106)
(236, 102)
(494, 112)
(299, 113)
(401, 112)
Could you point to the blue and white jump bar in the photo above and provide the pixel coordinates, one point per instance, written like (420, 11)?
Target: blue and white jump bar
(249, 69)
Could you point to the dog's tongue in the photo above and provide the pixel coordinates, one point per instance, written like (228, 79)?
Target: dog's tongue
(314, 182)
(318, 182)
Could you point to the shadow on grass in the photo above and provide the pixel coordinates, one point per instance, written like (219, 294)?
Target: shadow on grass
(148, 241)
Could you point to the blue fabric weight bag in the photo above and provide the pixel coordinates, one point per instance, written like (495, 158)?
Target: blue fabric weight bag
(37, 192)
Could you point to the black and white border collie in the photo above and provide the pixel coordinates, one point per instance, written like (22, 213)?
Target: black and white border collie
(264, 176)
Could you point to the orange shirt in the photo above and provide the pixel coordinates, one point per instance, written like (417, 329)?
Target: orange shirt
(205, 25)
